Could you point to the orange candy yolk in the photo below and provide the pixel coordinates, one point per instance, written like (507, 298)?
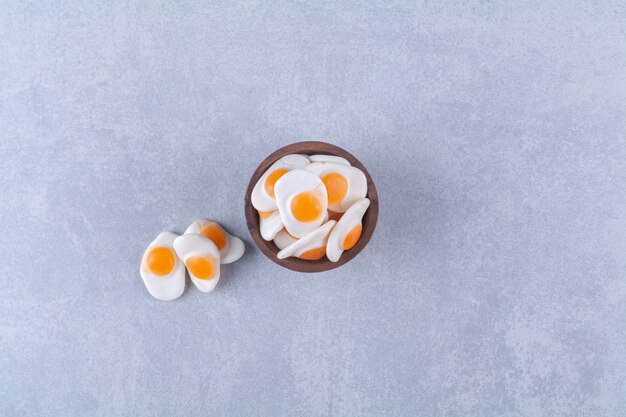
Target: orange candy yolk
(161, 261)
(201, 266)
(336, 186)
(271, 179)
(313, 254)
(265, 214)
(307, 206)
(352, 237)
(215, 233)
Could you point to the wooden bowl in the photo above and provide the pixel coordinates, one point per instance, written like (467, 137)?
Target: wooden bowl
(269, 248)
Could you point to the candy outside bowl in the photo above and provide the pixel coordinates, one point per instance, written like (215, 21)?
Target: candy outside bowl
(269, 248)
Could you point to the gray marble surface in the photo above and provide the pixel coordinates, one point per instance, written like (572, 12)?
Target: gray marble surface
(494, 285)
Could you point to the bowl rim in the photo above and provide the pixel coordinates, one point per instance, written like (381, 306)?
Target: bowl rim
(269, 249)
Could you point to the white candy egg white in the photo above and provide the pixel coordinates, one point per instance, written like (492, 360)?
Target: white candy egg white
(350, 219)
(192, 249)
(233, 247)
(171, 285)
(329, 158)
(355, 178)
(271, 225)
(283, 239)
(289, 188)
(307, 247)
(260, 198)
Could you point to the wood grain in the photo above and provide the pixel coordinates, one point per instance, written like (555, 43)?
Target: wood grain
(269, 248)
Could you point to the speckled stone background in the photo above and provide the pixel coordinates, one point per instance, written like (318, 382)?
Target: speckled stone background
(495, 284)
